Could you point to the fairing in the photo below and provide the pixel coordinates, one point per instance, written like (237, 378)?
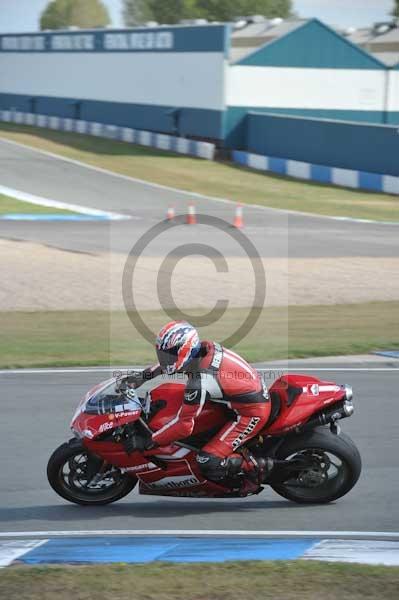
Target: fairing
(102, 409)
(301, 396)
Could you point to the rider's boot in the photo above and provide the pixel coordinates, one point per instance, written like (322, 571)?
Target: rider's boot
(256, 470)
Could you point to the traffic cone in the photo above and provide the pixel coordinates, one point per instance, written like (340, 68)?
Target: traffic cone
(170, 215)
(191, 215)
(238, 219)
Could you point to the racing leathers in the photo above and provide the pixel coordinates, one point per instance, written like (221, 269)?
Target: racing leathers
(222, 376)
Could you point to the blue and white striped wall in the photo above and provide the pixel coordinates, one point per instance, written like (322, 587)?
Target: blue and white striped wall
(322, 174)
(170, 143)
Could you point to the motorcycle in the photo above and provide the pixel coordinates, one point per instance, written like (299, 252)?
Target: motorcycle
(313, 462)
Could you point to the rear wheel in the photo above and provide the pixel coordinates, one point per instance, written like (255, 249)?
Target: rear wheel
(332, 466)
(79, 477)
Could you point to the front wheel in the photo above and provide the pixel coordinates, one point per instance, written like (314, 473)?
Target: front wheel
(332, 466)
(79, 477)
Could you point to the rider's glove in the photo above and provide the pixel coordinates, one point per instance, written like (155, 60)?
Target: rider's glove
(135, 378)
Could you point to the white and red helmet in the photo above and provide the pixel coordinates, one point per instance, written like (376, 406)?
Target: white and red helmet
(177, 344)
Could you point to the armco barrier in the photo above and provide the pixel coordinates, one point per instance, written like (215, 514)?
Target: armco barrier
(170, 143)
(302, 170)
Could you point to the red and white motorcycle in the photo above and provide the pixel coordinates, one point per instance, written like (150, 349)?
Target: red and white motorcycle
(313, 461)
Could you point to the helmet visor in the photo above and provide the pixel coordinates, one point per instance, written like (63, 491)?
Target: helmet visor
(167, 358)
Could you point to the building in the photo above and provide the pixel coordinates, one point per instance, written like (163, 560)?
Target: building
(310, 70)
(381, 40)
(198, 81)
(165, 79)
(249, 36)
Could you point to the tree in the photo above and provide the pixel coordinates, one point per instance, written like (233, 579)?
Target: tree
(60, 14)
(227, 10)
(172, 11)
(136, 12)
(395, 10)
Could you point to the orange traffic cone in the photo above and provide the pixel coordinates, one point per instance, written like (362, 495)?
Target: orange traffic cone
(191, 215)
(238, 219)
(170, 215)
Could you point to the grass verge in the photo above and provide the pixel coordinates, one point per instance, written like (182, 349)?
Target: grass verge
(62, 338)
(224, 180)
(228, 581)
(10, 205)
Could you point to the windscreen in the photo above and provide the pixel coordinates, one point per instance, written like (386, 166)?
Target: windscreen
(110, 400)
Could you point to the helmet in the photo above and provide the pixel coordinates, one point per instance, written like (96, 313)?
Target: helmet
(177, 344)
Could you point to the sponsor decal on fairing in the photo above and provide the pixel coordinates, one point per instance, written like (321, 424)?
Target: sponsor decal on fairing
(105, 427)
(130, 413)
(142, 467)
(174, 482)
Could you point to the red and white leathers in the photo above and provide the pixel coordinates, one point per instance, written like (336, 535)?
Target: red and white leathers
(219, 375)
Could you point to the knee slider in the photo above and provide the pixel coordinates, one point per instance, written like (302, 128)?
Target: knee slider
(234, 465)
(215, 468)
(212, 467)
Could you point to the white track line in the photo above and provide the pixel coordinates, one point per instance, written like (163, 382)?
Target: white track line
(159, 186)
(11, 551)
(39, 201)
(368, 552)
(52, 371)
(202, 533)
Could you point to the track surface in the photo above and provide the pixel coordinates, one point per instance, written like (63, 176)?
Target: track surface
(274, 233)
(36, 411)
(36, 408)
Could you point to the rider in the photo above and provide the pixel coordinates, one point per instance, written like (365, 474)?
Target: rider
(214, 374)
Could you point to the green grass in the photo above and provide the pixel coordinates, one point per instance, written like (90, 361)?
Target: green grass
(10, 205)
(40, 339)
(226, 581)
(224, 180)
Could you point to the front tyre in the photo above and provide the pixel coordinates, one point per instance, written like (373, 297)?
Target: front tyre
(334, 466)
(67, 473)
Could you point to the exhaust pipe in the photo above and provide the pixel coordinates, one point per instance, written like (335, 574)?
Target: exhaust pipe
(336, 413)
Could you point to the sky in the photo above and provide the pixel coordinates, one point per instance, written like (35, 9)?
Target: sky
(23, 15)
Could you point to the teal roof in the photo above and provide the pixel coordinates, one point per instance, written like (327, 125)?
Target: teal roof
(312, 45)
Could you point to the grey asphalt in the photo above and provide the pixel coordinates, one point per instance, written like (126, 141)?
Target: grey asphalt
(274, 233)
(36, 411)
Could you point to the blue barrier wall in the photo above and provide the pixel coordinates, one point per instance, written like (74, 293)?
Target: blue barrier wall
(358, 146)
(192, 122)
(235, 127)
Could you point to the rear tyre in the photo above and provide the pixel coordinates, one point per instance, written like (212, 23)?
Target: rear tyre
(66, 473)
(336, 467)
